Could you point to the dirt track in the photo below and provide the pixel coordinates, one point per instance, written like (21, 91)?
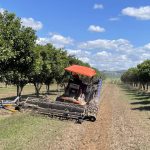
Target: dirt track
(118, 127)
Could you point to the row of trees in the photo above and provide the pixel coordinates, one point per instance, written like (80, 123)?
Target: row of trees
(138, 76)
(22, 61)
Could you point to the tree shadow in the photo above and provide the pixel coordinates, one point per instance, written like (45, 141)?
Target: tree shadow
(138, 98)
(128, 91)
(27, 95)
(13, 97)
(50, 94)
(142, 103)
(141, 98)
(142, 108)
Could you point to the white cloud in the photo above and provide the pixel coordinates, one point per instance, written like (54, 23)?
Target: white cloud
(60, 41)
(119, 45)
(57, 40)
(147, 46)
(142, 13)
(30, 22)
(104, 54)
(79, 52)
(123, 57)
(74, 52)
(112, 61)
(98, 6)
(2, 10)
(114, 54)
(85, 59)
(42, 41)
(94, 28)
(145, 56)
(114, 19)
(83, 55)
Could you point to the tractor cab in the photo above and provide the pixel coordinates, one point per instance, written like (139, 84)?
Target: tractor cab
(79, 87)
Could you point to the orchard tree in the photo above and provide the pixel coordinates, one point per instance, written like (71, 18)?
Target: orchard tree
(138, 75)
(131, 76)
(16, 54)
(35, 76)
(47, 56)
(144, 73)
(60, 60)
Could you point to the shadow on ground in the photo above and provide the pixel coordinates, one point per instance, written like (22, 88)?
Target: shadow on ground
(143, 108)
(52, 92)
(139, 98)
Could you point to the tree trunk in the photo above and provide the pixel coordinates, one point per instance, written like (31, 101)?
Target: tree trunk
(147, 86)
(57, 87)
(136, 84)
(19, 89)
(140, 86)
(37, 88)
(6, 84)
(143, 86)
(48, 88)
(64, 86)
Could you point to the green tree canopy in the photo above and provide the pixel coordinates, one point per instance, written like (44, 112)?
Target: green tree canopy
(16, 55)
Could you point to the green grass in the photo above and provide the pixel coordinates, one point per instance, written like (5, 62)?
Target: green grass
(21, 131)
(24, 131)
(139, 100)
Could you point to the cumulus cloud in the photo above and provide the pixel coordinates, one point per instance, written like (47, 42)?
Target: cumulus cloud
(42, 41)
(113, 54)
(79, 52)
(94, 28)
(98, 6)
(119, 45)
(85, 59)
(74, 52)
(2, 10)
(30, 22)
(112, 61)
(145, 56)
(147, 46)
(142, 13)
(60, 40)
(57, 40)
(103, 54)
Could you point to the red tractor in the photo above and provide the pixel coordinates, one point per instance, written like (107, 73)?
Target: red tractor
(81, 96)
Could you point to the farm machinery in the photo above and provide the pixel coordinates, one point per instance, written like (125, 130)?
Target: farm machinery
(12, 106)
(79, 101)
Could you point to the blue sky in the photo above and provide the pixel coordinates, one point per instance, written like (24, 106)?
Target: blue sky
(108, 34)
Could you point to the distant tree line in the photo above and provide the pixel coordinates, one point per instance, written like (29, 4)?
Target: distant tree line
(22, 61)
(139, 76)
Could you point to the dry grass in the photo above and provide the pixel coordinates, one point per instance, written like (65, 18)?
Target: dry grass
(28, 90)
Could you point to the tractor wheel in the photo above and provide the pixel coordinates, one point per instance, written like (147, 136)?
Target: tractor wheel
(79, 121)
(92, 118)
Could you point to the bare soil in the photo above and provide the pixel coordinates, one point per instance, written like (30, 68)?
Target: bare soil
(119, 125)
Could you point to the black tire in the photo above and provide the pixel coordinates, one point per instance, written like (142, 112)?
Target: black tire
(79, 121)
(92, 118)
